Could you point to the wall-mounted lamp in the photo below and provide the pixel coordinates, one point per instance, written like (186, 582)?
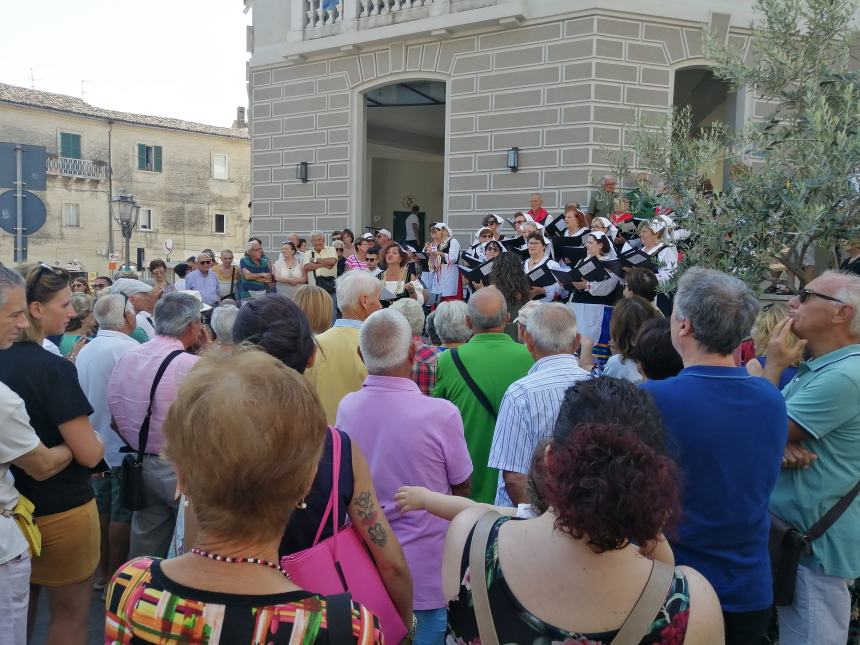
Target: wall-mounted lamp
(302, 171)
(514, 159)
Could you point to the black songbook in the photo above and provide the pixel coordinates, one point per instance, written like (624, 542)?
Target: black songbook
(470, 260)
(480, 273)
(541, 276)
(567, 278)
(570, 248)
(638, 258)
(517, 245)
(556, 227)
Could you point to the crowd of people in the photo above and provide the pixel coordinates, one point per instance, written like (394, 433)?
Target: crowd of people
(522, 439)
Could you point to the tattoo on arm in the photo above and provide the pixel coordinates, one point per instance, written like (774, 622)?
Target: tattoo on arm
(367, 513)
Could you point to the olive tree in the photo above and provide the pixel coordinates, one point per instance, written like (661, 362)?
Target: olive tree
(795, 173)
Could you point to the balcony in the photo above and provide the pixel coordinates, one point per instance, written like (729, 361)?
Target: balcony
(353, 22)
(79, 168)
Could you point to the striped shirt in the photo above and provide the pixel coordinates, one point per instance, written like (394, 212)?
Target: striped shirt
(527, 415)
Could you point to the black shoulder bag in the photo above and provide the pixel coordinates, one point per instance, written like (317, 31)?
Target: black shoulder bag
(787, 544)
(131, 487)
(482, 398)
(232, 294)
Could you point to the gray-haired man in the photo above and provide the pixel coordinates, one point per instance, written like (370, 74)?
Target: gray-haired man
(95, 363)
(178, 327)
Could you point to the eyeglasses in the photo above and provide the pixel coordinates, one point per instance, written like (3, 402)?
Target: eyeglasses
(42, 268)
(804, 294)
(204, 261)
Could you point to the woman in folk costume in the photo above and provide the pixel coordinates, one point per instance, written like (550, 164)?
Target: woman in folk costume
(442, 254)
(494, 223)
(592, 301)
(538, 257)
(479, 241)
(619, 244)
(654, 235)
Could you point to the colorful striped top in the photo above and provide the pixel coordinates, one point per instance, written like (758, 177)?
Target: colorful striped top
(144, 606)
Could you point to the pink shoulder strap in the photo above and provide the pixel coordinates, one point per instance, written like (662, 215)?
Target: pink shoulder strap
(332, 506)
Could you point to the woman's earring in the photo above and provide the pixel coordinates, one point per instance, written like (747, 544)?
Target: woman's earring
(302, 504)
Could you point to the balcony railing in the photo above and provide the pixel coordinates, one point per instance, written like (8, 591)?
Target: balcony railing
(321, 13)
(85, 168)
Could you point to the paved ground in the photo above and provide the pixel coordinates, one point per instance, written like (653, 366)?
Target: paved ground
(97, 621)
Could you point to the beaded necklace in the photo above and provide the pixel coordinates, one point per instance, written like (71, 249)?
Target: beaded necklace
(232, 560)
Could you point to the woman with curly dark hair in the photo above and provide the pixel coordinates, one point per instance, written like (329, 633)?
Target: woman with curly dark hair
(509, 278)
(574, 573)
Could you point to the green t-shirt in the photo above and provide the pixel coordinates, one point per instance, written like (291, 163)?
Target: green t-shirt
(67, 342)
(822, 399)
(139, 335)
(494, 361)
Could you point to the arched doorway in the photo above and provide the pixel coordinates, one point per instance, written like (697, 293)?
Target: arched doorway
(402, 129)
(711, 100)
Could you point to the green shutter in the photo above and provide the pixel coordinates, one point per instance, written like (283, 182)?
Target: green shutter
(157, 158)
(141, 156)
(70, 145)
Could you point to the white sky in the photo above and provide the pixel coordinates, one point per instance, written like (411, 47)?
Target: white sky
(175, 58)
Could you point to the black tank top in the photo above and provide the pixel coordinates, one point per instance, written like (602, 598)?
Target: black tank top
(304, 523)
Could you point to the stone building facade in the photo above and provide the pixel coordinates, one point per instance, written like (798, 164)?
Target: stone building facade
(192, 181)
(560, 80)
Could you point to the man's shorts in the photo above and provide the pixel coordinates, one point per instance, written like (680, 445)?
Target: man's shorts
(106, 489)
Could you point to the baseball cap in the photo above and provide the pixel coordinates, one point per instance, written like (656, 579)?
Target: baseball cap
(130, 287)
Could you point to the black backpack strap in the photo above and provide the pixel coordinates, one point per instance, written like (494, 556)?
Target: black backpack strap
(482, 398)
(830, 517)
(143, 437)
(339, 618)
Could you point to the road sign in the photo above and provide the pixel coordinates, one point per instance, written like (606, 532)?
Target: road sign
(34, 212)
(33, 166)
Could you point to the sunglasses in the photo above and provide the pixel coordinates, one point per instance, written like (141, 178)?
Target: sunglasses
(204, 262)
(804, 294)
(39, 272)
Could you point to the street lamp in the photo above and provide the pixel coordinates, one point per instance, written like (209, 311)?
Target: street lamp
(125, 210)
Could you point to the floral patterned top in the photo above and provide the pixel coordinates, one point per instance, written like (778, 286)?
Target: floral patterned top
(514, 623)
(145, 606)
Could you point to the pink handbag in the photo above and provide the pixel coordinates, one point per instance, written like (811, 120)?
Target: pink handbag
(342, 563)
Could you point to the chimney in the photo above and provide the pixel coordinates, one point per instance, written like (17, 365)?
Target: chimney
(240, 118)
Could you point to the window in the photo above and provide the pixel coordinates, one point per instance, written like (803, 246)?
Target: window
(220, 223)
(70, 145)
(145, 220)
(72, 215)
(148, 157)
(219, 167)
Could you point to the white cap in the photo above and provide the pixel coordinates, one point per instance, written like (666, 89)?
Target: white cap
(384, 231)
(198, 295)
(130, 287)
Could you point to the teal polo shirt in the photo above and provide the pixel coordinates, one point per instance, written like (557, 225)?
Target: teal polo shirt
(494, 361)
(823, 400)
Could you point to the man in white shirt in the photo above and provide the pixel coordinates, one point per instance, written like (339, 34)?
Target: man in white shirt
(143, 298)
(412, 225)
(529, 409)
(95, 363)
(19, 445)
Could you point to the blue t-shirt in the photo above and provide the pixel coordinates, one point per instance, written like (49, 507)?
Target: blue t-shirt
(727, 431)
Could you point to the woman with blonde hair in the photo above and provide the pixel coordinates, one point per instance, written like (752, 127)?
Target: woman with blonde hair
(443, 252)
(81, 285)
(316, 303)
(65, 507)
(244, 472)
(768, 318)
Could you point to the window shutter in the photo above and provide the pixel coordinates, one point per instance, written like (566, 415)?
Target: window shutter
(75, 146)
(157, 158)
(141, 156)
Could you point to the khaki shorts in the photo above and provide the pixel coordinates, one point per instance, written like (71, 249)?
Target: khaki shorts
(70, 547)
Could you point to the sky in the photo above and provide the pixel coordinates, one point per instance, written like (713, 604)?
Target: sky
(173, 58)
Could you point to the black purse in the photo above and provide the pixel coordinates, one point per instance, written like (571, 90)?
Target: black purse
(132, 492)
(786, 544)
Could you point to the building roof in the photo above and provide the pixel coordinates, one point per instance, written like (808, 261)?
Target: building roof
(73, 105)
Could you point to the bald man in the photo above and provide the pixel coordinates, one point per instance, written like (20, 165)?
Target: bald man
(474, 377)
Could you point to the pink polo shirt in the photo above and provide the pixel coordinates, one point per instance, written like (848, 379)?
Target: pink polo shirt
(410, 440)
(131, 381)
